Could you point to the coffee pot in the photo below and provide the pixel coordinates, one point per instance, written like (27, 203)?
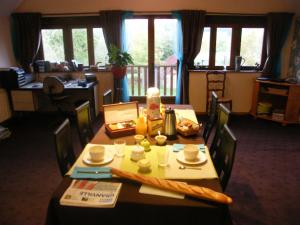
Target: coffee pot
(239, 61)
(170, 124)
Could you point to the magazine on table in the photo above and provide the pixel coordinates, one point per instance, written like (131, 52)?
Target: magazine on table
(87, 193)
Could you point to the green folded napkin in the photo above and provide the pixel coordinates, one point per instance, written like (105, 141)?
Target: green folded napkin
(179, 147)
(91, 173)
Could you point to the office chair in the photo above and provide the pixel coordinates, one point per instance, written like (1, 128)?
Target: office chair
(107, 97)
(223, 155)
(212, 117)
(223, 118)
(215, 81)
(84, 125)
(54, 89)
(63, 147)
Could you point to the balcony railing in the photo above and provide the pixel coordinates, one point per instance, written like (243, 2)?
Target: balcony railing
(165, 79)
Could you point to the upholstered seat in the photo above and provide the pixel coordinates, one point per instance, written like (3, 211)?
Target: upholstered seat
(212, 117)
(223, 154)
(64, 148)
(84, 125)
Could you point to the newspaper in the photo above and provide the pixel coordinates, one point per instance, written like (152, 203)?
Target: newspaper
(86, 193)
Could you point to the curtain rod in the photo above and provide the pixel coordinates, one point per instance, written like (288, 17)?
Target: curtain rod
(140, 13)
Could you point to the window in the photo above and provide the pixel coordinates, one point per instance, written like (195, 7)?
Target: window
(53, 45)
(79, 38)
(80, 46)
(225, 37)
(100, 49)
(251, 45)
(202, 59)
(223, 46)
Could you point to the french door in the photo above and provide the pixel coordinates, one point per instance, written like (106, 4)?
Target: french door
(151, 41)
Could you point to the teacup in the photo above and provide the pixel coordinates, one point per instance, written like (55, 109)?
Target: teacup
(97, 153)
(190, 152)
(161, 139)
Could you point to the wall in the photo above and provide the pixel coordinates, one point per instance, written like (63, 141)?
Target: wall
(229, 6)
(6, 52)
(239, 87)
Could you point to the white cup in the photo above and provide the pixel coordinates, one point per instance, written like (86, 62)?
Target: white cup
(97, 153)
(163, 156)
(190, 152)
(119, 147)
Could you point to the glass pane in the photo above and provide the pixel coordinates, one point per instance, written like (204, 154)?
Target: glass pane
(202, 59)
(251, 45)
(223, 46)
(53, 45)
(80, 47)
(100, 49)
(165, 59)
(137, 46)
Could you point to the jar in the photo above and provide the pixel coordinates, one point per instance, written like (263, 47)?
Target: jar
(141, 124)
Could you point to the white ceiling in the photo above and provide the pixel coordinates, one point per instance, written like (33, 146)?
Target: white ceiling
(8, 6)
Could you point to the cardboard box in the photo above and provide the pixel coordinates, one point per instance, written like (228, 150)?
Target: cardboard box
(120, 119)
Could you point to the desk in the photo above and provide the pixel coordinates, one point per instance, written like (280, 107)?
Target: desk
(31, 97)
(134, 208)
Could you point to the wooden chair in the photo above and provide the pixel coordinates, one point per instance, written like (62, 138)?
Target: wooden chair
(63, 147)
(84, 125)
(215, 81)
(223, 154)
(212, 117)
(107, 97)
(223, 118)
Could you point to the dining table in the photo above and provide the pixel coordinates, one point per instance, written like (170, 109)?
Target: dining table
(133, 207)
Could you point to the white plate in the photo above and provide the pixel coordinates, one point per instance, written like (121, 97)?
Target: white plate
(108, 157)
(200, 159)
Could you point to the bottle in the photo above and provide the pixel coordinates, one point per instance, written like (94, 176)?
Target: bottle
(141, 124)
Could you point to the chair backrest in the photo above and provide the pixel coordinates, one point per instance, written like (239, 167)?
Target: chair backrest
(223, 118)
(223, 154)
(53, 86)
(212, 116)
(84, 125)
(63, 147)
(107, 97)
(215, 81)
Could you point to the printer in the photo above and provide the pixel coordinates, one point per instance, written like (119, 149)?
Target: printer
(14, 78)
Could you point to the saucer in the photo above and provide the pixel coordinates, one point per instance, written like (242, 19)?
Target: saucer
(108, 157)
(199, 160)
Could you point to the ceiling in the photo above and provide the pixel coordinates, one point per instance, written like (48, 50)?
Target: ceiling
(8, 6)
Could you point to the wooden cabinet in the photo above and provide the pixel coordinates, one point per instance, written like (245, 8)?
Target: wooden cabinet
(23, 100)
(284, 99)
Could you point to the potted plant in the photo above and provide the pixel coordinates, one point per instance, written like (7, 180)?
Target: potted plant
(119, 61)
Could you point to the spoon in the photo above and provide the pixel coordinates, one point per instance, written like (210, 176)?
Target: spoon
(192, 168)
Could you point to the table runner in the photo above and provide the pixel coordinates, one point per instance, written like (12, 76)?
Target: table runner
(171, 172)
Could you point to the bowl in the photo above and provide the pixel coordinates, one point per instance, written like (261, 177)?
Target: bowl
(97, 153)
(144, 165)
(138, 138)
(160, 139)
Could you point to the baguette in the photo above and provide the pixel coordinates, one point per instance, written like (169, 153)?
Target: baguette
(192, 190)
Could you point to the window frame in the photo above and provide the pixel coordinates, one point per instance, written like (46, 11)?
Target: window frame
(236, 23)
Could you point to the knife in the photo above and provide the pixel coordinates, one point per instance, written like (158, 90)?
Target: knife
(92, 172)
